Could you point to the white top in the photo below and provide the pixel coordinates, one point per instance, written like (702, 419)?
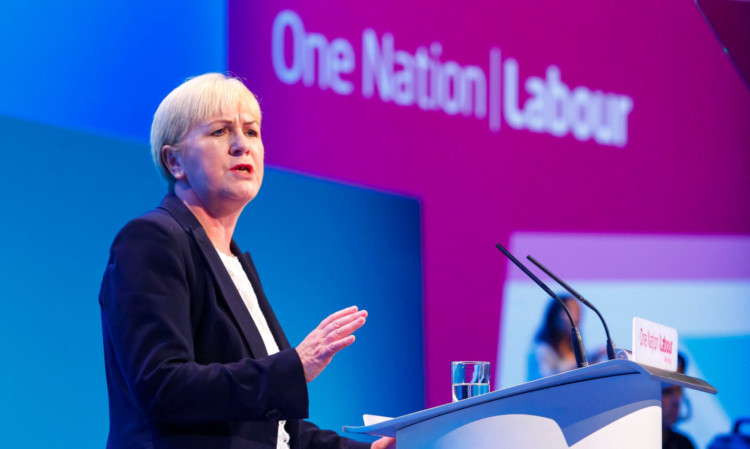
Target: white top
(239, 277)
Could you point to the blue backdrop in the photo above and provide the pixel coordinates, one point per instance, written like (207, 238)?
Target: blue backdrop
(78, 89)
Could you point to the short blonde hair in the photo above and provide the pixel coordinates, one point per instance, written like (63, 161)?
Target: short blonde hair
(196, 100)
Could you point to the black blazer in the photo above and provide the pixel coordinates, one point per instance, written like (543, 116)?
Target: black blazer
(186, 366)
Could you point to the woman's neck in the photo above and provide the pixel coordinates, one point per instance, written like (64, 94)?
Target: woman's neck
(218, 222)
(564, 349)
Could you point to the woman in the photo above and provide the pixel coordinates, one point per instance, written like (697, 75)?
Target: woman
(552, 352)
(194, 355)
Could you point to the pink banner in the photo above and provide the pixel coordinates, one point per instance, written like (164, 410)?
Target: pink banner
(612, 117)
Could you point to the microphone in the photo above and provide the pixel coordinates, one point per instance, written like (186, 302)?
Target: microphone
(578, 296)
(575, 336)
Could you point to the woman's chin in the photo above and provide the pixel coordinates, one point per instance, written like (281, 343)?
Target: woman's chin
(240, 196)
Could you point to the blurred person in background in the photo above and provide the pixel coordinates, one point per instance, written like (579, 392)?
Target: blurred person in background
(671, 401)
(552, 351)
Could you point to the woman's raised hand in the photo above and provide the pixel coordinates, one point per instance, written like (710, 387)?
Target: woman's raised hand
(332, 335)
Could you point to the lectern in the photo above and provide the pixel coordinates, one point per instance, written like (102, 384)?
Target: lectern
(613, 404)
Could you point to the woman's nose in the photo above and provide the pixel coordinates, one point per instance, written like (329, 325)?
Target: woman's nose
(240, 145)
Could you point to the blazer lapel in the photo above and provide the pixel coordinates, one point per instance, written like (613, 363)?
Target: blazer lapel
(226, 286)
(265, 306)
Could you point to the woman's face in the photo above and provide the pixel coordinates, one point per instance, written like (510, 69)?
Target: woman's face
(575, 310)
(221, 159)
(563, 323)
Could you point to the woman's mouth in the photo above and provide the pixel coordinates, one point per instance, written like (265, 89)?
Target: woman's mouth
(245, 169)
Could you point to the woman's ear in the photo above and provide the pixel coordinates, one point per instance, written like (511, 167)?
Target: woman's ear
(172, 161)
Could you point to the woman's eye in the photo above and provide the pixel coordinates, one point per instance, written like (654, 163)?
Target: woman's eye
(251, 132)
(219, 132)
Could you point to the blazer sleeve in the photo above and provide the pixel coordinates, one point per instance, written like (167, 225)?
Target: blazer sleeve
(146, 302)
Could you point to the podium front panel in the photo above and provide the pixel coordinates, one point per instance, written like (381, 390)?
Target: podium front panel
(621, 411)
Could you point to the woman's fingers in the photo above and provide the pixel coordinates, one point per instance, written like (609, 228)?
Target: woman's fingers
(332, 335)
(336, 315)
(384, 443)
(336, 333)
(333, 348)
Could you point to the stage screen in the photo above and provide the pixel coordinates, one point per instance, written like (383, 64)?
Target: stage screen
(699, 285)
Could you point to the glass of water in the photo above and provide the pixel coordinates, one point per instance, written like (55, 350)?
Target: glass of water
(470, 379)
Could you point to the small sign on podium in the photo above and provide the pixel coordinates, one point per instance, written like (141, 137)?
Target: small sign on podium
(654, 344)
